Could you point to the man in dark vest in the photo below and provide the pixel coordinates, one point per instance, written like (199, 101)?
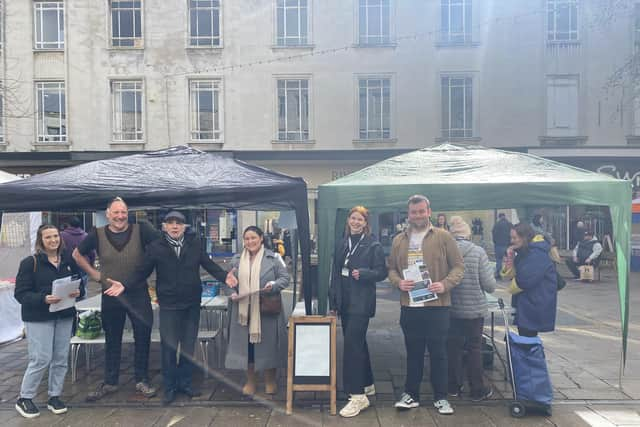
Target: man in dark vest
(120, 248)
(586, 252)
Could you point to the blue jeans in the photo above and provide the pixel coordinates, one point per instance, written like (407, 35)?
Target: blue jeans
(48, 347)
(178, 327)
(500, 253)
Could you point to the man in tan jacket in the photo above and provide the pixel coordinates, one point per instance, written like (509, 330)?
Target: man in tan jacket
(425, 324)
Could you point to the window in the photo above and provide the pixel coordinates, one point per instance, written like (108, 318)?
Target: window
(292, 23)
(455, 21)
(1, 118)
(204, 23)
(49, 24)
(636, 116)
(51, 114)
(206, 123)
(126, 23)
(127, 97)
(457, 106)
(374, 99)
(374, 22)
(562, 20)
(562, 106)
(293, 110)
(636, 26)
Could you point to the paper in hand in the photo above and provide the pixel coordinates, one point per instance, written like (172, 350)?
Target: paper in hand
(62, 288)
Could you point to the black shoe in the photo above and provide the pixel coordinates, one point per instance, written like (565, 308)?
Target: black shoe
(56, 405)
(169, 396)
(190, 392)
(102, 390)
(485, 394)
(27, 408)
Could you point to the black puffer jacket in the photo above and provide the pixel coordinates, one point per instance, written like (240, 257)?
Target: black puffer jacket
(178, 284)
(34, 284)
(357, 297)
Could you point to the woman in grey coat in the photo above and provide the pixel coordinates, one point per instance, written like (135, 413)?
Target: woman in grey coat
(257, 341)
(468, 309)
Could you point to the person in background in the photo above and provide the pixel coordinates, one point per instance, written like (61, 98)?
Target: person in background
(257, 340)
(577, 233)
(535, 295)
(358, 263)
(120, 246)
(48, 333)
(468, 310)
(586, 252)
(538, 226)
(441, 222)
(425, 324)
(176, 258)
(72, 236)
(501, 234)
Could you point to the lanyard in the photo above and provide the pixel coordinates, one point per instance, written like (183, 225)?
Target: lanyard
(351, 251)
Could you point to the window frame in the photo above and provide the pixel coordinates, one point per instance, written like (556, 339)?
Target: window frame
(557, 131)
(552, 10)
(278, 132)
(38, 24)
(366, 137)
(447, 37)
(220, 36)
(194, 116)
(303, 41)
(469, 126)
(137, 42)
(2, 117)
(41, 88)
(114, 91)
(365, 41)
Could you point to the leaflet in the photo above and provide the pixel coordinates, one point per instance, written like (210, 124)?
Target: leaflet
(62, 288)
(420, 293)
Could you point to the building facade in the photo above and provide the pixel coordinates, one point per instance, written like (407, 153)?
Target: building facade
(319, 88)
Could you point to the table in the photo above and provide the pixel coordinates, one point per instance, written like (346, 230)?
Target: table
(218, 304)
(11, 326)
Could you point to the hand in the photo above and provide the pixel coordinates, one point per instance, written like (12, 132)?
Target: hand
(268, 287)
(355, 274)
(406, 285)
(332, 313)
(50, 299)
(116, 288)
(234, 296)
(575, 259)
(75, 294)
(437, 287)
(231, 280)
(587, 261)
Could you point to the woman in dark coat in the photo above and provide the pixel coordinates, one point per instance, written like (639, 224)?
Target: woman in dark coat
(48, 333)
(535, 275)
(358, 263)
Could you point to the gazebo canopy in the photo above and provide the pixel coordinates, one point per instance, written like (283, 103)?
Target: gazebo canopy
(475, 177)
(177, 178)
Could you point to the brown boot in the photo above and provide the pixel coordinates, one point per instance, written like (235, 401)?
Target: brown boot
(270, 382)
(250, 387)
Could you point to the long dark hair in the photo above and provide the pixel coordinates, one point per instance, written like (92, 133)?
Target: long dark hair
(255, 229)
(40, 244)
(526, 233)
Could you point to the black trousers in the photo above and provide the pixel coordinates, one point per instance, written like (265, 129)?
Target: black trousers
(178, 327)
(573, 266)
(356, 364)
(524, 332)
(426, 327)
(113, 318)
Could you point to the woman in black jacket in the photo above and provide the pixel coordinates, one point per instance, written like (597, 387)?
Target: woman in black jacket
(358, 263)
(48, 333)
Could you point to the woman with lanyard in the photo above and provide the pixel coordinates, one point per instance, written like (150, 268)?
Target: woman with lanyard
(358, 263)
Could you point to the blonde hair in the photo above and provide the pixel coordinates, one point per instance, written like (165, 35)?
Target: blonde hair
(365, 213)
(459, 228)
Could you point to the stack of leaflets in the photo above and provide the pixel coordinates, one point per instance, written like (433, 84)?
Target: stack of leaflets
(420, 293)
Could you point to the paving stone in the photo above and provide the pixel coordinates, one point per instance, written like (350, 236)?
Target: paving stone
(242, 417)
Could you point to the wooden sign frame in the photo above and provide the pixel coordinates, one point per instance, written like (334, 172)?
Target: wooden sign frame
(307, 383)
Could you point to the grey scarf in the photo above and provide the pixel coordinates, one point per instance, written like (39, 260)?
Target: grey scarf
(175, 244)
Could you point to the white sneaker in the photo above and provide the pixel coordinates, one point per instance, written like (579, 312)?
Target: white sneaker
(370, 390)
(357, 402)
(443, 407)
(406, 402)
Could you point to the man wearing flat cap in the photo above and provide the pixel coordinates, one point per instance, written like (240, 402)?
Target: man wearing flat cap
(120, 247)
(177, 258)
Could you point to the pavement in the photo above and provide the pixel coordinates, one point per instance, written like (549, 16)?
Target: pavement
(583, 356)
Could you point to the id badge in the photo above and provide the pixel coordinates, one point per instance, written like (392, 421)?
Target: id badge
(345, 272)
